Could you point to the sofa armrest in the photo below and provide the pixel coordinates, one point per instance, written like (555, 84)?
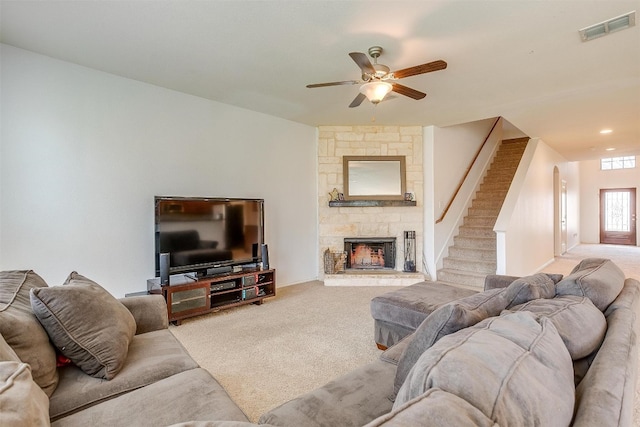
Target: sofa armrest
(495, 281)
(150, 312)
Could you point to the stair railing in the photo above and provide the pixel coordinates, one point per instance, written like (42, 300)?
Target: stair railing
(466, 174)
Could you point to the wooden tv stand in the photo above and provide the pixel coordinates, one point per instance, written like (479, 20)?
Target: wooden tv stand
(187, 297)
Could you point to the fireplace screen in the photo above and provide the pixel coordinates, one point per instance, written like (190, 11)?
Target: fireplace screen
(370, 253)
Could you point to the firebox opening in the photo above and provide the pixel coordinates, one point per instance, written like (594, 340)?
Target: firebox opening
(371, 253)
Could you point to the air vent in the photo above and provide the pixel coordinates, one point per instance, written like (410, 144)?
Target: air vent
(607, 27)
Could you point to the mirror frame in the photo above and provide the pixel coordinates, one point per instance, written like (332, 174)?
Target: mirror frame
(346, 160)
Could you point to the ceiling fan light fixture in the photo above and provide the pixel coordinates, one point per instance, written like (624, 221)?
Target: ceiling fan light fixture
(375, 91)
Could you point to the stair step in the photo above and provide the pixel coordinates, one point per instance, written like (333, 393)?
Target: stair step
(476, 231)
(474, 280)
(469, 265)
(496, 194)
(492, 212)
(472, 253)
(494, 186)
(475, 242)
(487, 204)
(480, 221)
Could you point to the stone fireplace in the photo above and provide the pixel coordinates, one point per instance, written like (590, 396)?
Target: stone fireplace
(370, 253)
(336, 223)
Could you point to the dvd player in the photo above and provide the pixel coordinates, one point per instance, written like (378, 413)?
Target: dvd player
(222, 286)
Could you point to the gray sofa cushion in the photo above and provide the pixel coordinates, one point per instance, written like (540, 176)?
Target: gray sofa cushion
(512, 368)
(409, 306)
(580, 324)
(353, 399)
(192, 395)
(440, 408)
(598, 279)
(527, 288)
(21, 329)
(86, 323)
(22, 401)
(446, 320)
(152, 357)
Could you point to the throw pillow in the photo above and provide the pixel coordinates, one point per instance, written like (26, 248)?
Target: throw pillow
(446, 320)
(530, 287)
(22, 401)
(580, 324)
(513, 368)
(598, 279)
(21, 329)
(86, 323)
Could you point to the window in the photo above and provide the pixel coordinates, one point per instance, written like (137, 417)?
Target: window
(626, 162)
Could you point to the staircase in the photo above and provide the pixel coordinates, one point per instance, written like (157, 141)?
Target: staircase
(473, 254)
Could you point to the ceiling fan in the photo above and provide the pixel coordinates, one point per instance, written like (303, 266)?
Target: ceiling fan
(378, 79)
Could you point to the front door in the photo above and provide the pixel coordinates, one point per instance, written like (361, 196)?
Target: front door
(618, 216)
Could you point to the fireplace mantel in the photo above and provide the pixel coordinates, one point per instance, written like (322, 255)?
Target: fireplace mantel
(370, 203)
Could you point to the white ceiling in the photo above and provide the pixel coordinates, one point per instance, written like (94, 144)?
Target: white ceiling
(522, 60)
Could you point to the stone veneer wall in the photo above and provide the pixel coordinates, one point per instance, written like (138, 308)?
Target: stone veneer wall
(338, 223)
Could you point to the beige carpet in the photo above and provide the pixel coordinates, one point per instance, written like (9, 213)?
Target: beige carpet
(309, 334)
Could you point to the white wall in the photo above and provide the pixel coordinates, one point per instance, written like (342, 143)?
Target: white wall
(592, 179)
(525, 226)
(84, 152)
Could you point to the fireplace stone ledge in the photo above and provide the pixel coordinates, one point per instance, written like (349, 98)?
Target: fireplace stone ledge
(373, 278)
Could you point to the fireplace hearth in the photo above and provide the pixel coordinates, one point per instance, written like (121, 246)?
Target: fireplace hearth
(370, 253)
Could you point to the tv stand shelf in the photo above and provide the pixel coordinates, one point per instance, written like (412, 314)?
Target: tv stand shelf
(187, 297)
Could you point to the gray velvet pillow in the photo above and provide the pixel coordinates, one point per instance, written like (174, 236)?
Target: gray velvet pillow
(86, 323)
(598, 279)
(580, 324)
(22, 401)
(513, 368)
(21, 329)
(446, 320)
(530, 287)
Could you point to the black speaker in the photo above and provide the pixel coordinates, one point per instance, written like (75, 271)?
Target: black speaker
(164, 269)
(265, 257)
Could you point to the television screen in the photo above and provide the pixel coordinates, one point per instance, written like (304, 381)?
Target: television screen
(201, 234)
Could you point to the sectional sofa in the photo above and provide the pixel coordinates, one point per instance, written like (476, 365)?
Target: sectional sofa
(539, 350)
(128, 369)
(534, 351)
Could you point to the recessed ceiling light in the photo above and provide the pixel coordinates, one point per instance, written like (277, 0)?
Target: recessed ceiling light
(605, 131)
(610, 149)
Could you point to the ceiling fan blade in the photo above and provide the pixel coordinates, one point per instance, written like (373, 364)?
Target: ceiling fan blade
(346, 82)
(407, 91)
(420, 69)
(363, 62)
(357, 100)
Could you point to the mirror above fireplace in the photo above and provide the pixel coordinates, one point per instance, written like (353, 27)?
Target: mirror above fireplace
(374, 177)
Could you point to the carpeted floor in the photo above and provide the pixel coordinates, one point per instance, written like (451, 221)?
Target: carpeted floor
(309, 334)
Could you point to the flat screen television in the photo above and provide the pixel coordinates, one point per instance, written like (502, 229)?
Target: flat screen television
(204, 235)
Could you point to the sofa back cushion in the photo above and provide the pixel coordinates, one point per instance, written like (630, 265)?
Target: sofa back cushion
(446, 320)
(598, 279)
(580, 324)
(86, 323)
(21, 329)
(513, 368)
(442, 409)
